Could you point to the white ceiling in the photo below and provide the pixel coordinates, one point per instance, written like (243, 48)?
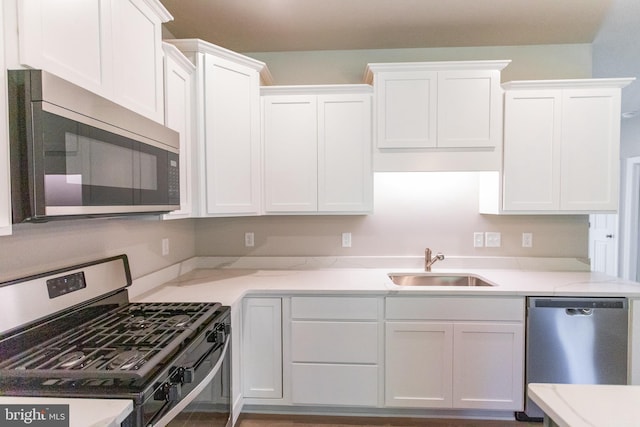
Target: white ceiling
(287, 25)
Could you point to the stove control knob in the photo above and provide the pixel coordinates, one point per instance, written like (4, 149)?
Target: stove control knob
(218, 335)
(167, 392)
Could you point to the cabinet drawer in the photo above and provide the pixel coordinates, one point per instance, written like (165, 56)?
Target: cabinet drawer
(455, 308)
(334, 342)
(339, 308)
(351, 385)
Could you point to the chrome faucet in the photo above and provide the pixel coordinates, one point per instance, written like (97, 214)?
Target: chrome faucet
(428, 261)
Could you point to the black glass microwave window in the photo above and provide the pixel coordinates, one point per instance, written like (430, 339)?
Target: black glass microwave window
(87, 166)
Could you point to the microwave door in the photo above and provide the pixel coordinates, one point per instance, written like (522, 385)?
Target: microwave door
(85, 169)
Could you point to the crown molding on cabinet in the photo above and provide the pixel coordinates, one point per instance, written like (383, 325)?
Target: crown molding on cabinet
(201, 46)
(372, 68)
(159, 9)
(568, 83)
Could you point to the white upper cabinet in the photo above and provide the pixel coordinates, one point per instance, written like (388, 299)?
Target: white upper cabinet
(437, 104)
(137, 55)
(110, 47)
(179, 75)
(228, 129)
(561, 148)
(317, 149)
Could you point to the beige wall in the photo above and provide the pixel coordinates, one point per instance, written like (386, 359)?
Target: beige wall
(35, 248)
(336, 67)
(412, 211)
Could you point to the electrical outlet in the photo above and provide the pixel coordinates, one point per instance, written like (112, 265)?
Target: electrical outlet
(165, 246)
(492, 239)
(346, 240)
(527, 240)
(478, 239)
(249, 241)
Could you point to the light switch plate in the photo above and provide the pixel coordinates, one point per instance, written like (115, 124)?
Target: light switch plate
(249, 240)
(492, 239)
(346, 240)
(478, 239)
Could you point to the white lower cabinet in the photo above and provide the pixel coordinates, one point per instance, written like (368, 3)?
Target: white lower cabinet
(435, 352)
(462, 353)
(418, 364)
(335, 351)
(262, 348)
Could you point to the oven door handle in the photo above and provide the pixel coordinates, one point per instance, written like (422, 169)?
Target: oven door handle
(169, 415)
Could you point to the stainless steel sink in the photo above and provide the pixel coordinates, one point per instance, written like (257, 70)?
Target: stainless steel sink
(436, 279)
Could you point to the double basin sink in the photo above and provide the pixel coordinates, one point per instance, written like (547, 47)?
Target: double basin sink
(437, 279)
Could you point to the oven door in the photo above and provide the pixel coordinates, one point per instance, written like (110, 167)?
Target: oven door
(205, 396)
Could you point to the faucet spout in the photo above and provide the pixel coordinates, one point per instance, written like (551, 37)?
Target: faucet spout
(429, 261)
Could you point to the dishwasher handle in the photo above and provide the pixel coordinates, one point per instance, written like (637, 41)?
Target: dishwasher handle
(579, 311)
(578, 304)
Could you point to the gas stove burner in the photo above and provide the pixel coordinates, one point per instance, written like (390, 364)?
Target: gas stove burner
(179, 320)
(138, 322)
(126, 360)
(71, 360)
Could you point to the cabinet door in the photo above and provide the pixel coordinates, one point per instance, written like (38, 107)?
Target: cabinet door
(334, 384)
(69, 38)
(590, 149)
(345, 176)
(469, 108)
(418, 364)
(232, 139)
(137, 58)
(488, 366)
(291, 157)
(179, 75)
(262, 347)
(532, 150)
(406, 109)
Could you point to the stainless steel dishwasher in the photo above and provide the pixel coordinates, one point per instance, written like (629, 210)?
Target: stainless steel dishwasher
(575, 341)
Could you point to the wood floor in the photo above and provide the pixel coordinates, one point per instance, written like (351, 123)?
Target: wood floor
(258, 420)
(203, 419)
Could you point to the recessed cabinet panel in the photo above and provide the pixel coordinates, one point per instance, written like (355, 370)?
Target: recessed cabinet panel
(331, 384)
(344, 154)
(334, 342)
(179, 78)
(488, 365)
(531, 154)
(138, 58)
(69, 39)
(406, 109)
(590, 150)
(262, 347)
(290, 160)
(418, 364)
(468, 108)
(232, 142)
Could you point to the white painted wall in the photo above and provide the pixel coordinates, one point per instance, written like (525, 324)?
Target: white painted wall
(412, 211)
(35, 248)
(347, 66)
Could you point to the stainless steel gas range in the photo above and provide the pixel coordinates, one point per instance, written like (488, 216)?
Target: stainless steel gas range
(72, 332)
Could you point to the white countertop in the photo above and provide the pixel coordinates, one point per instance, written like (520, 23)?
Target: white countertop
(82, 412)
(229, 285)
(576, 405)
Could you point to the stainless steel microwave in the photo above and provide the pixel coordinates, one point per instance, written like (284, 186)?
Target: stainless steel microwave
(74, 154)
